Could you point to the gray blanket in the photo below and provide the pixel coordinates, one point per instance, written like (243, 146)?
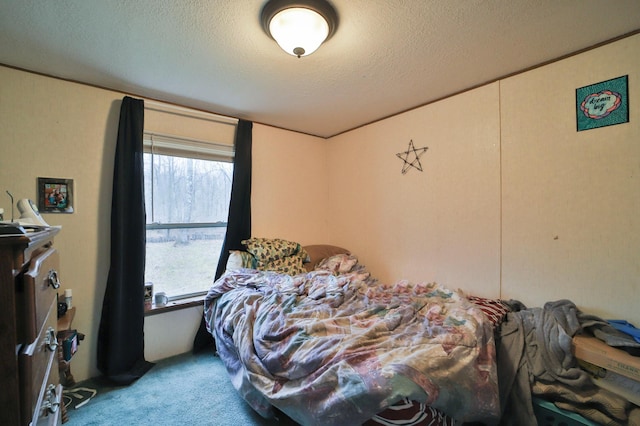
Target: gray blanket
(535, 345)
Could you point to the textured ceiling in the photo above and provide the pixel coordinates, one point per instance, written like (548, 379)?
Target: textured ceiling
(386, 56)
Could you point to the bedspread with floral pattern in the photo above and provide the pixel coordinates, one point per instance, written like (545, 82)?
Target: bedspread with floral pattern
(336, 350)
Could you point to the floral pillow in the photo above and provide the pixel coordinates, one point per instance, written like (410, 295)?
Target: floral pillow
(269, 249)
(278, 255)
(290, 265)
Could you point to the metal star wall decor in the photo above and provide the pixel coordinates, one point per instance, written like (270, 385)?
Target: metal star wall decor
(411, 157)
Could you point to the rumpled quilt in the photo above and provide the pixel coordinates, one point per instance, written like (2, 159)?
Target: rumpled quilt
(335, 350)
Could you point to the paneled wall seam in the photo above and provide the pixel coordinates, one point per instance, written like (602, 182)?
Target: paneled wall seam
(500, 190)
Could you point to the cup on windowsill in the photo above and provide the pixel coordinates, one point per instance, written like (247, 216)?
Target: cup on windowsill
(161, 298)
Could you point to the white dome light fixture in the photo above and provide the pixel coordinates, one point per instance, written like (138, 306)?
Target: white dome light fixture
(299, 27)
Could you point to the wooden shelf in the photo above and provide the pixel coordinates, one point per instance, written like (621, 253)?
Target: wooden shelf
(64, 322)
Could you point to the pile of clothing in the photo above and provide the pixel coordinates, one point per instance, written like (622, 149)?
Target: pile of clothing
(535, 358)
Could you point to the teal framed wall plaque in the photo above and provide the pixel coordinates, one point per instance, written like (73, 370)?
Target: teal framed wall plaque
(603, 104)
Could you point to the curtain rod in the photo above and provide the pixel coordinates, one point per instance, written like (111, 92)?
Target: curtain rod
(186, 112)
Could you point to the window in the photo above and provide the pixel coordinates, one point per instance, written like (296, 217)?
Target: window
(187, 192)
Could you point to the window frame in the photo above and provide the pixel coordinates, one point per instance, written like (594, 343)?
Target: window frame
(156, 143)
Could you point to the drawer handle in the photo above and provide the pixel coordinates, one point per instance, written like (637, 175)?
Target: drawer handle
(51, 402)
(50, 339)
(54, 280)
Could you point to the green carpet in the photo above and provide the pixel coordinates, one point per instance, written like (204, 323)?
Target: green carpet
(182, 390)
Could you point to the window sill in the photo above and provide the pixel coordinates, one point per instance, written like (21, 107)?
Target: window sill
(174, 305)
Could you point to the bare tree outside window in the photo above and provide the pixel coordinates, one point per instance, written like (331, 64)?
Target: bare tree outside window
(187, 205)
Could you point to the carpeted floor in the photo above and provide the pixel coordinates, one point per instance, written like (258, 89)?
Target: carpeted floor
(182, 390)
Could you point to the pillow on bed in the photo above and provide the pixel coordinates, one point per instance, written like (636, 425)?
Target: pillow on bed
(240, 259)
(278, 255)
(268, 249)
(494, 309)
(338, 264)
(290, 265)
(320, 252)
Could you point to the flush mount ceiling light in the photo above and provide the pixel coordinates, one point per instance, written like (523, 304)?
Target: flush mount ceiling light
(299, 27)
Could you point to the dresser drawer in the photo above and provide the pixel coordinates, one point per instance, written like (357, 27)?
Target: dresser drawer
(39, 290)
(38, 363)
(54, 393)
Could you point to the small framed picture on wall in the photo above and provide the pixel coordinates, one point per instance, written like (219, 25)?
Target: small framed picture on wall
(603, 104)
(55, 195)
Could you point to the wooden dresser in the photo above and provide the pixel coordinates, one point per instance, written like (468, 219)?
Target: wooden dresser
(30, 387)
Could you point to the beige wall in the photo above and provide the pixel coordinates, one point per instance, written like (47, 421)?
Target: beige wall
(57, 129)
(499, 184)
(441, 224)
(513, 201)
(54, 128)
(571, 200)
(289, 189)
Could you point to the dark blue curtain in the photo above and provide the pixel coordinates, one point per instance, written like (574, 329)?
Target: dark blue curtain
(121, 332)
(239, 221)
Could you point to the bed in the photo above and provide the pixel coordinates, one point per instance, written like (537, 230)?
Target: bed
(327, 344)
(307, 331)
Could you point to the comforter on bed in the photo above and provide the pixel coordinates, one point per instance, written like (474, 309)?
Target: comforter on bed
(335, 350)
